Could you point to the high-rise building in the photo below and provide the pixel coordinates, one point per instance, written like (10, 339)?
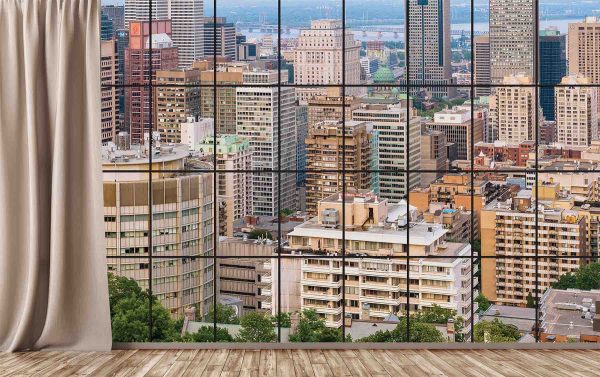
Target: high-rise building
(177, 99)
(553, 67)
(434, 156)
(116, 13)
(228, 75)
(139, 10)
(375, 262)
(122, 38)
(318, 58)
(234, 157)
(507, 229)
(512, 44)
(269, 123)
(512, 110)
(331, 147)
(137, 68)
(182, 231)
(106, 28)
(584, 49)
(301, 135)
(109, 99)
(459, 128)
(481, 65)
(328, 106)
(397, 150)
(576, 112)
(225, 40)
(428, 41)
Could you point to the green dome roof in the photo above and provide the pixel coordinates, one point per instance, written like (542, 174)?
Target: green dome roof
(384, 75)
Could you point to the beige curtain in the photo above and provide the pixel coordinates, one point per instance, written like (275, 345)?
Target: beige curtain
(53, 284)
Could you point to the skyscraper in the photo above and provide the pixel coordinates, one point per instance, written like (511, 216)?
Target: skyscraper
(429, 53)
(512, 110)
(318, 58)
(265, 125)
(225, 41)
(553, 67)
(511, 38)
(481, 64)
(137, 68)
(139, 10)
(584, 49)
(576, 112)
(109, 98)
(106, 28)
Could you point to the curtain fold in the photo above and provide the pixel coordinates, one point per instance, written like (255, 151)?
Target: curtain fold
(53, 283)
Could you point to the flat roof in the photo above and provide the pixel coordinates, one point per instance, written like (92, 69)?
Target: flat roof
(137, 154)
(561, 312)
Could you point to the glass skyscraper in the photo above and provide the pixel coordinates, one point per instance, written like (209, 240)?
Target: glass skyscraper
(553, 67)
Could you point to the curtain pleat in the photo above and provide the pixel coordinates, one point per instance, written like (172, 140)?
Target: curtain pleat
(53, 284)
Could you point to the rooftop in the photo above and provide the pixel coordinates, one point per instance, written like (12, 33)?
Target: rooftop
(521, 318)
(569, 312)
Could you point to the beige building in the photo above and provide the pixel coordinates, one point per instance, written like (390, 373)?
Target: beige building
(512, 110)
(318, 59)
(109, 93)
(508, 231)
(182, 226)
(583, 43)
(481, 65)
(328, 107)
(576, 111)
(512, 41)
(459, 128)
(434, 156)
(177, 99)
(325, 159)
(377, 287)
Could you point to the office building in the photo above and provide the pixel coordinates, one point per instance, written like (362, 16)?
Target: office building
(328, 106)
(181, 227)
(225, 40)
(326, 158)
(269, 124)
(428, 42)
(376, 287)
(186, 19)
(177, 99)
(109, 100)
(137, 69)
(459, 128)
(512, 44)
(481, 65)
(301, 135)
(434, 156)
(318, 58)
(195, 130)
(115, 13)
(553, 67)
(106, 28)
(584, 49)
(139, 10)
(576, 112)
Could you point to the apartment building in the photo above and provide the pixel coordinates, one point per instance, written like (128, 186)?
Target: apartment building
(512, 110)
(328, 107)
(508, 232)
(583, 43)
(182, 225)
(377, 287)
(459, 128)
(177, 99)
(576, 109)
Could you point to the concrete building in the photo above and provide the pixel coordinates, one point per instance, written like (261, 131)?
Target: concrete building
(398, 149)
(328, 106)
(481, 65)
(225, 40)
(139, 10)
(576, 111)
(512, 110)
(434, 157)
(116, 14)
(194, 130)
(459, 128)
(177, 99)
(457, 222)
(428, 41)
(553, 67)
(109, 100)
(570, 315)
(584, 49)
(325, 158)
(270, 126)
(301, 135)
(234, 158)
(318, 58)
(182, 225)
(376, 287)
(512, 43)
(508, 231)
(137, 68)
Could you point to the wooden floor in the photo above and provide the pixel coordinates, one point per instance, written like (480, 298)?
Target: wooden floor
(298, 363)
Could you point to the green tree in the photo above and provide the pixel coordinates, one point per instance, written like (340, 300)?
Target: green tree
(482, 302)
(438, 315)
(225, 314)
(530, 301)
(206, 334)
(287, 212)
(257, 233)
(130, 313)
(566, 281)
(419, 333)
(495, 332)
(311, 328)
(284, 318)
(587, 277)
(257, 327)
